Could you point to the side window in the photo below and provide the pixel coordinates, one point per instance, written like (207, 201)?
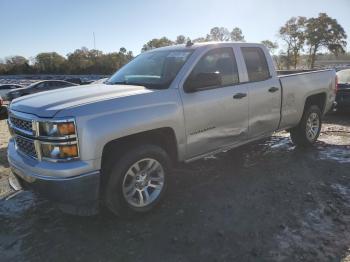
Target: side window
(219, 61)
(65, 84)
(256, 64)
(57, 84)
(41, 85)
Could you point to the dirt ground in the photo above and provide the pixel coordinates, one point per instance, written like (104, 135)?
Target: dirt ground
(268, 201)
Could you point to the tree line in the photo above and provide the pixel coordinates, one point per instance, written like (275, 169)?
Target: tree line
(302, 40)
(81, 61)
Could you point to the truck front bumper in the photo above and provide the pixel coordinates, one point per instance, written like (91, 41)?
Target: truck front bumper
(77, 194)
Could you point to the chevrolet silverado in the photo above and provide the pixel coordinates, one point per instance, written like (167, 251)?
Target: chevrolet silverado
(115, 142)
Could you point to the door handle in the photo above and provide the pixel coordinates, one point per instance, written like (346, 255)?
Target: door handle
(239, 95)
(273, 89)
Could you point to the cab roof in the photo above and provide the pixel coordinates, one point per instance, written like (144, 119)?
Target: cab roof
(202, 44)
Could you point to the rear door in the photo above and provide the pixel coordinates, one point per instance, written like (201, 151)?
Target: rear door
(215, 116)
(264, 92)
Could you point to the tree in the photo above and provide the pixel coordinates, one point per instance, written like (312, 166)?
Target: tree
(324, 32)
(181, 39)
(156, 42)
(237, 35)
(79, 61)
(85, 61)
(219, 34)
(49, 63)
(200, 40)
(3, 68)
(122, 50)
(293, 33)
(17, 65)
(272, 46)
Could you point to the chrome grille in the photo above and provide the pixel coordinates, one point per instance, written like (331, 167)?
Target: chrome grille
(21, 124)
(26, 146)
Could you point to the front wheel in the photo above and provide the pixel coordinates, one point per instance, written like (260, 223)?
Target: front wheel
(138, 181)
(309, 128)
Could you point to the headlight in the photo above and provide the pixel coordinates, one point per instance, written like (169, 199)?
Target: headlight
(59, 139)
(58, 152)
(57, 129)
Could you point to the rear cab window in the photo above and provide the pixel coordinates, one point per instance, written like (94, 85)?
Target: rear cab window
(256, 63)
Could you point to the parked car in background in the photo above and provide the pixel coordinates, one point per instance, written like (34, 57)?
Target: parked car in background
(117, 141)
(3, 110)
(37, 87)
(6, 88)
(343, 90)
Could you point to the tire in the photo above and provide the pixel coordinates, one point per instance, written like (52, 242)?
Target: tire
(123, 179)
(309, 128)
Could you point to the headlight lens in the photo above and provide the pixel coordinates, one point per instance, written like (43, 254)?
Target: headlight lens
(62, 133)
(59, 151)
(52, 129)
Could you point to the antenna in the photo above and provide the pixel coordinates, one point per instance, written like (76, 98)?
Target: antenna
(93, 34)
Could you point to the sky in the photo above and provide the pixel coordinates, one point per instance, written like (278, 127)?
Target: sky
(29, 27)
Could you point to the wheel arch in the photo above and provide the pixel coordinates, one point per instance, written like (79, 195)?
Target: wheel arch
(163, 137)
(318, 99)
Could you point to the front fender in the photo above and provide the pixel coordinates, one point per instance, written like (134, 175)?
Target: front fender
(100, 123)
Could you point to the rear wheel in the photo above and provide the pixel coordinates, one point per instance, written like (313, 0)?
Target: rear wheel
(138, 181)
(309, 128)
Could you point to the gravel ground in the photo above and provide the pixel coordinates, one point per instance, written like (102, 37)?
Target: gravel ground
(4, 170)
(268, 201)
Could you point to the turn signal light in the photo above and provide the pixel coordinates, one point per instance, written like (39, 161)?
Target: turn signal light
(66, 128)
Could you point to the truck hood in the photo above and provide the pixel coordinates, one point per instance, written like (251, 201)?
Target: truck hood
(49, 103)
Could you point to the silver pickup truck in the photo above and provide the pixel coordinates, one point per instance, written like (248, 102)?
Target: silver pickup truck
(115, 142)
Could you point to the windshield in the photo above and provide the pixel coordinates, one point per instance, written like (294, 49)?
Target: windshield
(33, 84)
(344, 76)
(155, 69)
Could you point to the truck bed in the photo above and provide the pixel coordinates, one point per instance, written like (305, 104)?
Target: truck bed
(296, 87)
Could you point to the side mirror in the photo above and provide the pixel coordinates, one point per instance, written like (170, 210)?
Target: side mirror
(202, 80)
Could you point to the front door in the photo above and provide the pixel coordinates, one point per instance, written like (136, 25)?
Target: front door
(216, 114)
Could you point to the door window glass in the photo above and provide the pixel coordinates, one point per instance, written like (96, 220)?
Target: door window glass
(256, 64)
(220, 61)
